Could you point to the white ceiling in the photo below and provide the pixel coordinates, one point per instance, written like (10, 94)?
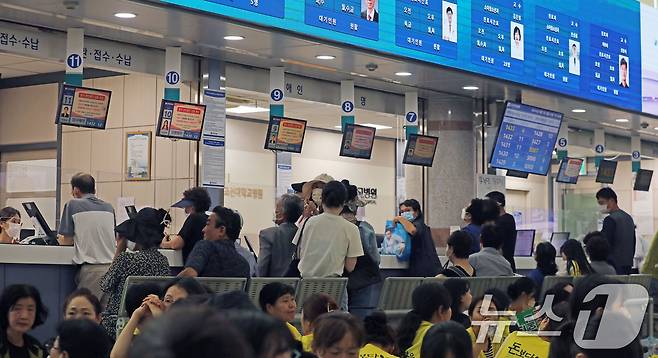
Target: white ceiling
(17, 66)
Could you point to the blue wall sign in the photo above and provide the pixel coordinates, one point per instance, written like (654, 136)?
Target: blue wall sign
(74, 60)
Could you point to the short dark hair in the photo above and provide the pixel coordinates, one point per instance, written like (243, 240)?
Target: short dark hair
(266, 335)
(272, 292)
(545, 254)
(460, 242)
(7, 213)
(84, 292)
(235, 226)
(517, 30)
(293, 207)
(137, 293)
(332, 327)
(449, 10)
(499, 298)
(483, 211)
(317, 305)
(596, 246)
(447, 339)
(520, 286)
(11, 294)
(414, 205)
(334, 194)
(224, 217)
(82, 338)
(200, 197)
(490, 236)
(607, 194)
(457, 288)
(190, 332)
(190, 285)
(623, 62)
(84, 182)
(378, 330)
(498, 197)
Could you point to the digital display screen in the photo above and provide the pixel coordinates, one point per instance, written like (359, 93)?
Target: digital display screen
(643, 180)
(181, 120)
(285, 134)
(83, 107)
(558, 239)
(569, 170)
(598, 50)
(357, 141)
(420, 150)
(526, 139)
(606, 173)
(525, 243)
(517, 174)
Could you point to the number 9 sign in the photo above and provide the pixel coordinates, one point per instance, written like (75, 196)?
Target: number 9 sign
(276, 95)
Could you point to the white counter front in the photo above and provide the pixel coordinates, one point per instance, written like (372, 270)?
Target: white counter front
(58, 255)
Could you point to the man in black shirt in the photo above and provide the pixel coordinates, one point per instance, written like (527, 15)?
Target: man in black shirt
(506, 226)
(215, 255)
(196, 202)
(619, 230)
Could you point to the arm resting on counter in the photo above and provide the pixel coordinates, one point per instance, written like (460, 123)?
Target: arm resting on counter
(188, 272)
(177, 243)
(65, 240)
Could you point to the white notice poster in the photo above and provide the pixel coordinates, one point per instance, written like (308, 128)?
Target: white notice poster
(213, 150)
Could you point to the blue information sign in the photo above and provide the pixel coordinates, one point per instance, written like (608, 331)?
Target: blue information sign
(590, 49)
(346, 16)
(526, 139)
(266, 7)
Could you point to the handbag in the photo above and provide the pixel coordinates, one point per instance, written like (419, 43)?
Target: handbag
(293, 268)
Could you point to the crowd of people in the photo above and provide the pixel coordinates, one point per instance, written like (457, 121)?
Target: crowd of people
(317, 234)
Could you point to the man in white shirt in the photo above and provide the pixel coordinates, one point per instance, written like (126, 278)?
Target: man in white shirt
(450, 25)
(370, 13)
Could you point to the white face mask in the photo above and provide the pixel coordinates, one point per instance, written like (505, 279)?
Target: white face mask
(464, 213)
(14, 230)
(604, 209)
(316, 196)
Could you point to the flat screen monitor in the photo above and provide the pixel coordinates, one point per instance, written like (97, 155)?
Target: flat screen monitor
(606, 173)
(40, 225)
(285, 134)
(131, 211)
(525, 243)
(420, 150)
(357, 141)
(526, 139)
(569, 170)
(83, 107)
(517, 174)
(643, 180)
(558, 239)
(181, 120)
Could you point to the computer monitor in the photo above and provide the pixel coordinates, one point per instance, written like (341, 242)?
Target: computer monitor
(131, 211)
(525, 243)
(42, 233)
(643, 180)
(558, 239)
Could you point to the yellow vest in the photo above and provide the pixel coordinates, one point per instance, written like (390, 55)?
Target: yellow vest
(295, 333)
(518, 342)
(372, 351)
(307, 342)
(496, 346)
(414, 350)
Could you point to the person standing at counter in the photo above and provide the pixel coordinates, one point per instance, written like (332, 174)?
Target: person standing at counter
(10, 225)
(424, 261)
(88, 224)
(215, 255)
(276, 248)
(196, 202)
(619, 230)
(481, 211)
(506, 226)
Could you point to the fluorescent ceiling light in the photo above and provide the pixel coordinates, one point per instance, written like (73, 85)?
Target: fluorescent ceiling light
(205, 75)
(325, 57)
(578, 110)
(403, 74)
(125, 15)
(371, 125)
(621, 120)
(247, 109)
(471, 88)
(233, 38)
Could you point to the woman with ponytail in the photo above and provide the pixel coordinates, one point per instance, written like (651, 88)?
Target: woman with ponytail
(431, 304)
(380, 337)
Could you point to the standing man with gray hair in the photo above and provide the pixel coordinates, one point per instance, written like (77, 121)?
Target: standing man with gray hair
(276, 248)
(88, 224)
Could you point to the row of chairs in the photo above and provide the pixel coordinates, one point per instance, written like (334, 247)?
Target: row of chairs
(304, 288)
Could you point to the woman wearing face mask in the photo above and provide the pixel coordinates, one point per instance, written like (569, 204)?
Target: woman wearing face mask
(424, 261)
(21, 310)
(10, 225)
